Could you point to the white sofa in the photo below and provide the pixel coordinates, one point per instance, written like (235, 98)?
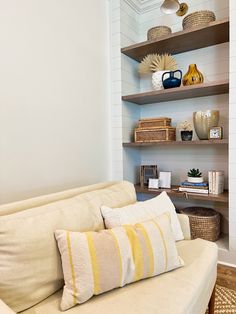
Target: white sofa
(186, 290)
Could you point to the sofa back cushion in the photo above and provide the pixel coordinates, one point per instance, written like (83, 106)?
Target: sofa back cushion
(30, 266)
(11, 208)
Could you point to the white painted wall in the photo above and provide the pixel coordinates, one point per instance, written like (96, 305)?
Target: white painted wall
(54, 99)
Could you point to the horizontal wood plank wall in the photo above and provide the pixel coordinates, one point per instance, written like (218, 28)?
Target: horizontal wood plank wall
(232, 128)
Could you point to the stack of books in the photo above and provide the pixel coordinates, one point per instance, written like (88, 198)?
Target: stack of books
(216, 181)
(199, 188)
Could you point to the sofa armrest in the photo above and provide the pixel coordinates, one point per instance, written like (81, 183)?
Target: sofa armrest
(5, 309)
(185, 226)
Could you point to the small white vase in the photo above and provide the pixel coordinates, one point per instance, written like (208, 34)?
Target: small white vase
(157, 80)
(195, 179)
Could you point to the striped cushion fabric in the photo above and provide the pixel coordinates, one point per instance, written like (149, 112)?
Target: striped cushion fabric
(95, 262)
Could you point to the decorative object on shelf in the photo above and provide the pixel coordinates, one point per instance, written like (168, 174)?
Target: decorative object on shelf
(204, 121)
(186, 131)
(198, 188)
(147, 172)
(154, 122)
(195, 176)
(154, 130)
(158, 64)
(157, 32)
(173, 6)
(164, 62)
(165, 179)
(145, 64)
(171, 81)
(198, 19)
(170, 6)
(216, 181)
(183, 9)
(153, 135)
(216, 133)
(204, 223)
(157, 80)
(153, 183)
(193, 76)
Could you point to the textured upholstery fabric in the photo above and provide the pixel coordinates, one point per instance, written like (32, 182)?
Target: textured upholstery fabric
(30, 265)
(141, 211)
(186, 290)
(4, 309)
(96, 262)
(185, 226)
(10, 208)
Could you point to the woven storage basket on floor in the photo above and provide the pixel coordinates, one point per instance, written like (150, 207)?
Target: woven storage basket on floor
(204, 223)
(157, 32)
(199, 18)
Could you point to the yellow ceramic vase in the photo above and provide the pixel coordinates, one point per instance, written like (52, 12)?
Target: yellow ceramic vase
(193, 76)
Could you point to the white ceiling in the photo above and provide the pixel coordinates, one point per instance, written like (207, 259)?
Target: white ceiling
(144, 1)
(144, 5)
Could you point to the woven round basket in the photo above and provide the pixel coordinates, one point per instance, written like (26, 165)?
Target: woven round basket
(199, 18)
(158, 32)
(204, 223)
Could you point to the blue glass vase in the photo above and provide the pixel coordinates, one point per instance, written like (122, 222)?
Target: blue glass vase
(171, 81)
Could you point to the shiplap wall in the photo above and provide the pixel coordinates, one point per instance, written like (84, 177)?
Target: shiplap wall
(125, 80)
(214, 63)
(116, 107)
(232, 128)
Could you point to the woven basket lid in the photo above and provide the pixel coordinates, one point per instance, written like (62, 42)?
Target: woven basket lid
(199, 211)
(198, 18)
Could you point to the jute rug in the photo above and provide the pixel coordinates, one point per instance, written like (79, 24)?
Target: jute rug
(225, 301)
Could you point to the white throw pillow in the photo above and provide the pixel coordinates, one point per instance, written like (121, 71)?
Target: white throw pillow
(142, 211)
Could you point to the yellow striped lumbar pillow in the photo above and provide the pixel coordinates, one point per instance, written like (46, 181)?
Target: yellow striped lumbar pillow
(95, 262)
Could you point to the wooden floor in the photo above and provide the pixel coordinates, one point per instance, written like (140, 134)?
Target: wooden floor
(226, 276)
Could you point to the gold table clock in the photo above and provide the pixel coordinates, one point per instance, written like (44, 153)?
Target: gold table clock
(216, 133)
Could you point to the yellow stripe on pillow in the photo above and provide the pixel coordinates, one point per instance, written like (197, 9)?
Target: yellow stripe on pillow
(149, 248)
(72, 267)
(93, 257)
(119, 254)
(137, 252)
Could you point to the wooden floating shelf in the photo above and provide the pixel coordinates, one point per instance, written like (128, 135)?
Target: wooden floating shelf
(178, 143)
(173, 192)
(183, 92)
(215, 33)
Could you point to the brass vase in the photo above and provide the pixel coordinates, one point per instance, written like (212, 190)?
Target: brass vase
(193, 76)
(204, 120)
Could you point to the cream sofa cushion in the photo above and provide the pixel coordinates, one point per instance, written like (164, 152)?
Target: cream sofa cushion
(96, 262)
(186, 290)
(11, 208)
(30, 266)
(141, 211)
(4, 309)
